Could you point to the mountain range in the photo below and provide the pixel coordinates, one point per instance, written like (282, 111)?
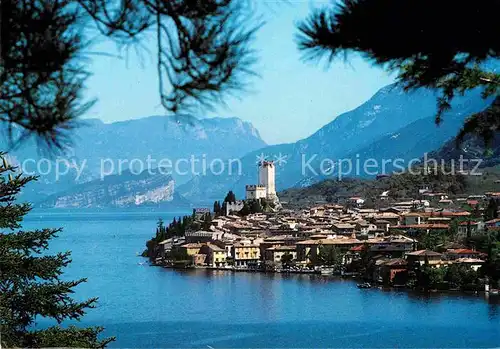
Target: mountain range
(99, 148)
(393, 124)
(148, 188)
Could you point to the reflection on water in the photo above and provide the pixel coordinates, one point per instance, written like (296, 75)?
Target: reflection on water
(156, 307)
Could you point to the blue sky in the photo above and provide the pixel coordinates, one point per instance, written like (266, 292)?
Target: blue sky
(289, 100)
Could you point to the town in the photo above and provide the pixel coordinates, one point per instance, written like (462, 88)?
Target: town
(417, 243)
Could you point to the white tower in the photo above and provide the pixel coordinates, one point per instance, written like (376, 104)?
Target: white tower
(266, 178)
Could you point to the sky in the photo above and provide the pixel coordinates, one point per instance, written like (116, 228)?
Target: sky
(289, 100)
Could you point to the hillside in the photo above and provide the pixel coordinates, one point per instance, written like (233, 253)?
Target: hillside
(400, 186)
(391, 124)
(125, 190)
(97, 145)
(472, 147)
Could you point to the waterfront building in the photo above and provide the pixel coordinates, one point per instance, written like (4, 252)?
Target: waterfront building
(198, 236)
(274, 254)
(308, 250)
(246, 254)
(191, 248)
(419, 257)
(216, 256)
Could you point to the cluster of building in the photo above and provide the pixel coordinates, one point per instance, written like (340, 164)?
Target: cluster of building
(388, 235)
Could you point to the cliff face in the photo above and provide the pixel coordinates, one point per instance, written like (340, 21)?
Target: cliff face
(126, 190)
(160, 138)
(393, 124)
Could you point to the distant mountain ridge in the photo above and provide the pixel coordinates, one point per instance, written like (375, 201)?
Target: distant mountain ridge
(160, 137)
(149, 188)
(393, 123)
(472, 147)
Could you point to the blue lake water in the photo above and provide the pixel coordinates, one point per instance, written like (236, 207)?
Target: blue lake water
(153, 307)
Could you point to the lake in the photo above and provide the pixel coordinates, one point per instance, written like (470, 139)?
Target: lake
(154, 307)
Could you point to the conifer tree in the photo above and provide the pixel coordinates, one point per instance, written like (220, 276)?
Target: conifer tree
(31, 283)
(492, 210)
(230, 197)
(203, 54)
(446, 45)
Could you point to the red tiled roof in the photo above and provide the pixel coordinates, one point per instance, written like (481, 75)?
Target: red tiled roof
(421, 226)
(467, 222)
(462, 251)
(424, 253)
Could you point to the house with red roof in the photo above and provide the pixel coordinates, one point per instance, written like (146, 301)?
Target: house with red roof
(474, 227)
(418, 258)
(454, 254)
(492, 223)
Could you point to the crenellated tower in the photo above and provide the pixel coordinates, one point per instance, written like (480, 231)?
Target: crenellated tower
(267, 178)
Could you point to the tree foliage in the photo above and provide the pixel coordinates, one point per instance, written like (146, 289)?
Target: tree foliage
(230, 197)
(203, 53)
(329, 256)
(491, 211)
(31, 282)
(445, 45)
(286, 259)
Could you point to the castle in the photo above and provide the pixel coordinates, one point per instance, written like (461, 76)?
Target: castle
(265, 189)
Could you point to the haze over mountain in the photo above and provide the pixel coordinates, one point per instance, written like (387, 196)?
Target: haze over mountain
(99, 146)
(393, 123)
(149, 188)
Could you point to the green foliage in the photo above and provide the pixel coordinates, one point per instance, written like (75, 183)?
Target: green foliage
(429, 278)
(476, 212)
(176, 228)
(286, 259)
(218, 209)
(423, 58)
(230, 197)
(491, 211)
(329, 256)
(202, 50)
(31, 280)
(253, 206)
(207, 222)
(460, 276)
(400, 186)
(179, 255)
(432, 240)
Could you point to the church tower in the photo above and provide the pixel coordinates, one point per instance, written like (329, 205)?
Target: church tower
(266, 178)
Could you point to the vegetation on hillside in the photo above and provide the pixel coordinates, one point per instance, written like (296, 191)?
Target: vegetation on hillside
(400, 186)
(31, 279)
(176, 228)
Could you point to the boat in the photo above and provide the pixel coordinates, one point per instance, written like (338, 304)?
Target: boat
(365, 285)
(326, 271)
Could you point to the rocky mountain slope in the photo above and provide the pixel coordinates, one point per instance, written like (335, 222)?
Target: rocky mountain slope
(472, 147)
(99, 147)
(126, 190)
(391, 124)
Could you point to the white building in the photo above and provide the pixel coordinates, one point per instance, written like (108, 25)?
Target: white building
(266, 187)
(267, 178)
(255, 192)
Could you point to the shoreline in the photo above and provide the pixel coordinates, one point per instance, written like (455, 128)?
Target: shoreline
(352, 277)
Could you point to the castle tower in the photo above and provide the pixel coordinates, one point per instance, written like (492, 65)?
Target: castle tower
(266, 178)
